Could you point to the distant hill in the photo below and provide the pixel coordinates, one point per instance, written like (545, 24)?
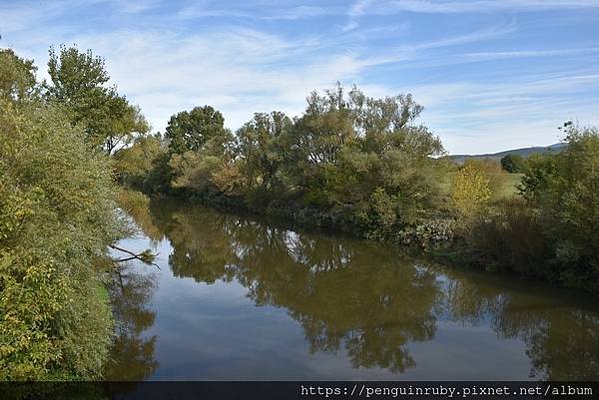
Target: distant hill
(525, 152)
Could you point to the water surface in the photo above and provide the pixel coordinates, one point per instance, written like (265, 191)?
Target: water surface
(237, 298)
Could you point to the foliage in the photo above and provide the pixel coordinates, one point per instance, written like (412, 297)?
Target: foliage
(551, 230)
(513, 163)
(79, 83)
(364, 157)
(55, 323)
(565, 188)
(350, 157)
(57, 217)
(470, 191)
(262, 150)
(365, 165)
(135, 164)
(493, 171)
(431, 232)
(192, 130)
(510, 238)
(17, 76)
(536, 180)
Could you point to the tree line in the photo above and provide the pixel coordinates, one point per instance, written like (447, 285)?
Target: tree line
(367, 166)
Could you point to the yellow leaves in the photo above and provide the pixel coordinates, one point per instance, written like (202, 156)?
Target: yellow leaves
(229, 180)
(470, 190)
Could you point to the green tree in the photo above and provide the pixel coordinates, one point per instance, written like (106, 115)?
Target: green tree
(55, 321)
(192, 130)
(262, 148)
(513, 163)
(540, 172)
(134, 164)
(17, 76)
(569, 205)
(365, 157)
(79, 81)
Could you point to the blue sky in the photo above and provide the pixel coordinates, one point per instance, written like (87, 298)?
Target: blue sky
(491, 74)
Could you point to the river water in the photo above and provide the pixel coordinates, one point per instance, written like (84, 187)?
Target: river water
(238, 298)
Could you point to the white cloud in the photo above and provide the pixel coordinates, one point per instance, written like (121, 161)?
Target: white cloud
(482, 118)
(470, 6)
(483, 56)
(247, 71)
(240, 69)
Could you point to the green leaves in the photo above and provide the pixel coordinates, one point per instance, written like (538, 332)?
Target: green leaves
(79, 84)
(17, 76)
(191, 130)
(57, 216)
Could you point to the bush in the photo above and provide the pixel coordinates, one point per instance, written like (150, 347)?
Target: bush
(568, 200)
(470, 191)
(511, 238)
(57, 216)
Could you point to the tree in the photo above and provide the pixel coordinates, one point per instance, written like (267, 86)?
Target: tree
(513, 163)
(17, 76)
(261, 148)
(134, 164)
(57, 216)
(192, 130)
(567, 195)
(540, 171)
(493, 171)
(79, 83)
(470, 191)
(360, 155)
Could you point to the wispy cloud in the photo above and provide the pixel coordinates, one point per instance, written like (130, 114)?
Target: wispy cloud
(498, 55)
(415, 51)
(483, 117)
(195, 11)
(356, 10)
(498, 76)
(472, 6)
(248, 71)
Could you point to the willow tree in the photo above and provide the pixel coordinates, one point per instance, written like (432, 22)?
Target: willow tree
(80, 83)
(58, 217)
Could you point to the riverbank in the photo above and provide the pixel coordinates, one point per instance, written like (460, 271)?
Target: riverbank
(365, 166)
(437, 247)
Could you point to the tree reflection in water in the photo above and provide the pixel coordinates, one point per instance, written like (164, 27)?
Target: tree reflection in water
(132, 355)
(562, 339)
(370, 300)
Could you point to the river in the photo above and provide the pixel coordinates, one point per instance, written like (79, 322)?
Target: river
(238, 298)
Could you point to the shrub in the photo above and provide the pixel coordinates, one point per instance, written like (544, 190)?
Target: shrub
(57, 216)
(470, 191)
(511, 238)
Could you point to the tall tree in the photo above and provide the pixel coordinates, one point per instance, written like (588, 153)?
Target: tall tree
(57, 217)
(79, 81)
(261, 147)
(17, 76)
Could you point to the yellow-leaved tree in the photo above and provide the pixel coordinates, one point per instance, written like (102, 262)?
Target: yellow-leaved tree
(470, 191)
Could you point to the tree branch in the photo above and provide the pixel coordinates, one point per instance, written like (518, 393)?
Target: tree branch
(133, 256)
